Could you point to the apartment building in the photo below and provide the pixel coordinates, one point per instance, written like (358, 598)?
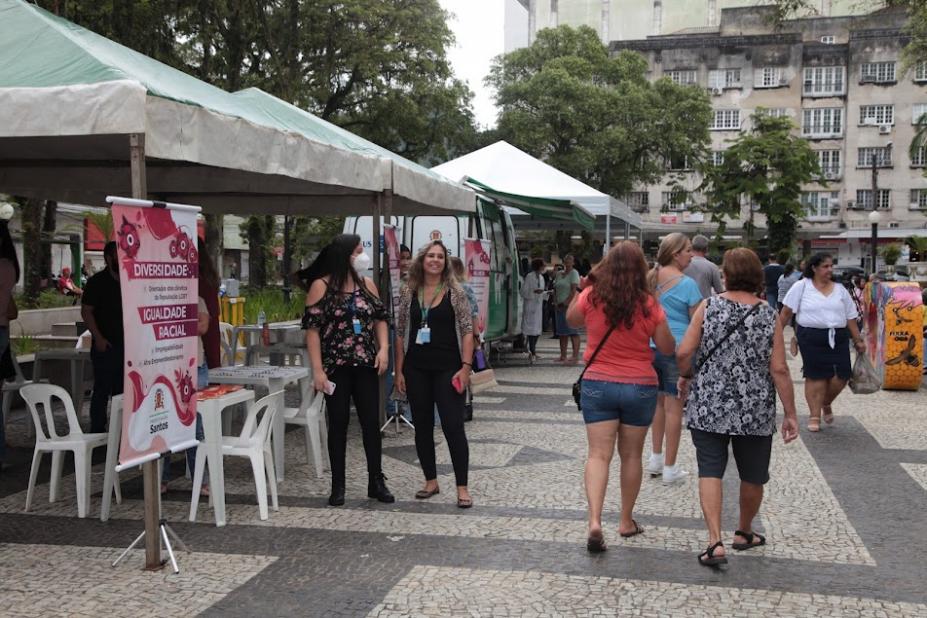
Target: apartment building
(841, 81)
(617, 20)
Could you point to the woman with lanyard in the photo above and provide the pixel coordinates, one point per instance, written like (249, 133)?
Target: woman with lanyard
(434, 348)
(825, 315)
(346, 333)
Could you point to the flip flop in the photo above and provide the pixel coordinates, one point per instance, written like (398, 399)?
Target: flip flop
(814, 425)
(424, 494)
(749, 544)
(596, 544)
(464, 503)
(708, 558)
(638, 529)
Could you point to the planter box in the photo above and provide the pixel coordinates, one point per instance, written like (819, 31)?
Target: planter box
(41, 321)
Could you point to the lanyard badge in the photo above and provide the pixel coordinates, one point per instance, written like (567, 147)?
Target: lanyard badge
(424, 332)
(351, 309)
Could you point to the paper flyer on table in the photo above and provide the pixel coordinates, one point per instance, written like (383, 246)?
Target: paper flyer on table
(476, 255)
(158, 273)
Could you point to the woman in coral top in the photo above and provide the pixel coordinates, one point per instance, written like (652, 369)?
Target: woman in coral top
(619, 390)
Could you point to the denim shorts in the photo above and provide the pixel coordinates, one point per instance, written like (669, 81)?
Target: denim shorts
(631, 404)
(562, 328)
(667, 373)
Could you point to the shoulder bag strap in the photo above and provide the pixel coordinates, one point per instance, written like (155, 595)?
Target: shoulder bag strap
(596, 352)
(725, 337)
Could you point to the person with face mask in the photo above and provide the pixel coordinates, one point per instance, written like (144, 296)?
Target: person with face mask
(101, 311)
(348, 342)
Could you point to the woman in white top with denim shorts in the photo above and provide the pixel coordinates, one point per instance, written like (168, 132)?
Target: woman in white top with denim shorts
(826, 321)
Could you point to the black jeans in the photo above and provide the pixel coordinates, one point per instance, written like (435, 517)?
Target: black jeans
(533, 343)
(107, 381)
(425, 389)
(363, 386)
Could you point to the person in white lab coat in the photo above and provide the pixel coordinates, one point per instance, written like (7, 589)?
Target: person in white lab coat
(532, 291)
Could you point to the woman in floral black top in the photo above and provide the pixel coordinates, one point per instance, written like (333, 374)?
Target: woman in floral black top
(346, 333)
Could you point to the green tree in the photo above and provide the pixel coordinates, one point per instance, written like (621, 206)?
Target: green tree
(595, 117)
(767, 167)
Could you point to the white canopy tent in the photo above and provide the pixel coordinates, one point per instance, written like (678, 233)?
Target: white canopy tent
(506, 168)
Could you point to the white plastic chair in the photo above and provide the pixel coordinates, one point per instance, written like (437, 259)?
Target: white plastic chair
(226, 331)
(253, 443)
(110, 475)
(48, 441)
(313, 419)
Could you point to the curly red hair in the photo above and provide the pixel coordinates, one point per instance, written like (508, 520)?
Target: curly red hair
(619, 281)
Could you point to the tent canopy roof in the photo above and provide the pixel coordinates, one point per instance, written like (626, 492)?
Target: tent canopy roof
(542, 207)
(513, 171)
(71, 97)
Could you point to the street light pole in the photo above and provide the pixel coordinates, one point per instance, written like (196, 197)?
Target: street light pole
(874, 218)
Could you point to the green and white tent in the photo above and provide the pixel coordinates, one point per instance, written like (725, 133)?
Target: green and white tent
(70, 99)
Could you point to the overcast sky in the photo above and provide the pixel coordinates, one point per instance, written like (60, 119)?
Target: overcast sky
(478, 26)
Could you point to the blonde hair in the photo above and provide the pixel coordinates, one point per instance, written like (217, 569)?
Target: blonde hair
(671, 245)
(416, 278)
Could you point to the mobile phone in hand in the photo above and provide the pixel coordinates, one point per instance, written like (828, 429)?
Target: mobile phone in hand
(457, 385)
(329, 387)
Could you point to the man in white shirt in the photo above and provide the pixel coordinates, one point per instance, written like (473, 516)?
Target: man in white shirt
(705, 273)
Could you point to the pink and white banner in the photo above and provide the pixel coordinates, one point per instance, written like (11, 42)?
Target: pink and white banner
(476, 257)
(392, 260)
(158, 271)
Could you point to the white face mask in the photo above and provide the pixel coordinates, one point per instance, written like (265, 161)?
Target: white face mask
(361, 262)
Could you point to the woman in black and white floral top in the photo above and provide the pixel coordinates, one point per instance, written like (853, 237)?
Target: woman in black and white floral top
(346, 333)
(739, 353)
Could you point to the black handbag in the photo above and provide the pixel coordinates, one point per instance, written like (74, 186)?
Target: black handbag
(578, 385)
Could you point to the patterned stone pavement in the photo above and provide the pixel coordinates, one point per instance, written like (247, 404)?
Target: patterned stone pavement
(844, 513)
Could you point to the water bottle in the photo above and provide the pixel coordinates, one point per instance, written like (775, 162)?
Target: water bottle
(262, 318)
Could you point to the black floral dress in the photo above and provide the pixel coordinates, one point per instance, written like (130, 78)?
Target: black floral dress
(733, 392)
(333, 317)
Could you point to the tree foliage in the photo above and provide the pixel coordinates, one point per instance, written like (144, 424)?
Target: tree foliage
(767, 167)
(595, 117)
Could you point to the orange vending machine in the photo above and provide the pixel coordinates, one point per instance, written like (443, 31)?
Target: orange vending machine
(894, 325)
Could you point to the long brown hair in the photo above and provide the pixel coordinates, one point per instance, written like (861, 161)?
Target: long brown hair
(669, 247)
(619, 282)
(416, 278)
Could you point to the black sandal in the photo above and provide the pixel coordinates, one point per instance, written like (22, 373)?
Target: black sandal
(464, 503)
(749, 544)
(424, 494)
(708, 558)
(596, 544)
(638, 529)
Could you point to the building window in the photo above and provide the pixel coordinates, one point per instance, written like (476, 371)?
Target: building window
(768, 77)
(820, 204)
(877, 72)
(822, 122)
(823, 81)
(724, 78)
(918, 199)
(828, 39)
(683, 77)
(864, 199)
(678, 163)
(717, 158)
(917, 112)
(829, 162)
(920, 71)
(638, 201)
(726, 120)
(876, 114)
(882, 155)
(919, 157)
(674, 200)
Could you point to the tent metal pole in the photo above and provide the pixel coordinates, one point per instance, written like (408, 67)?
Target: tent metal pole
(150, 481)
(608, 231)
(377, 250)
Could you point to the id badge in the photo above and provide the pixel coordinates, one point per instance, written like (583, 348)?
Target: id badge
(424, 336)
(357, 326)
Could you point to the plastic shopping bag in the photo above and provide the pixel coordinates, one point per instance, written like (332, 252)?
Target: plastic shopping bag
(864, 380)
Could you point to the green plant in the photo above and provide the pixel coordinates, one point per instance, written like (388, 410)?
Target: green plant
(48, 298)
(891, 253)
(24, 344)
(918, 245)
(103, 221)
(270, 299)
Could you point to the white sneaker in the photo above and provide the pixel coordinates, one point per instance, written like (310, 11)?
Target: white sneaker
(673, 474)
(655, 464)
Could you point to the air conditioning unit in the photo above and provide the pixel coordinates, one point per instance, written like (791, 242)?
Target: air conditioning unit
(830, 175)
(885, 129)
(866, 79)
(783, 81)
(717, 91)
(851, 205)
(914, 206)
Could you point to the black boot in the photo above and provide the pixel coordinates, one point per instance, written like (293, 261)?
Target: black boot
(337, 497)
(376, 488)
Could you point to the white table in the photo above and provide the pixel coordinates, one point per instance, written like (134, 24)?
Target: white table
(211, 410)
(252, 329)
(273, 379)
(76, 357)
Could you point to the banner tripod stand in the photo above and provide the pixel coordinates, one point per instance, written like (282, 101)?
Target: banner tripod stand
(166, 533)
(398, 419)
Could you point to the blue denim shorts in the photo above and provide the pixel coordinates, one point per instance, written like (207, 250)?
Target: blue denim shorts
(631, 404)
(667, 373)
